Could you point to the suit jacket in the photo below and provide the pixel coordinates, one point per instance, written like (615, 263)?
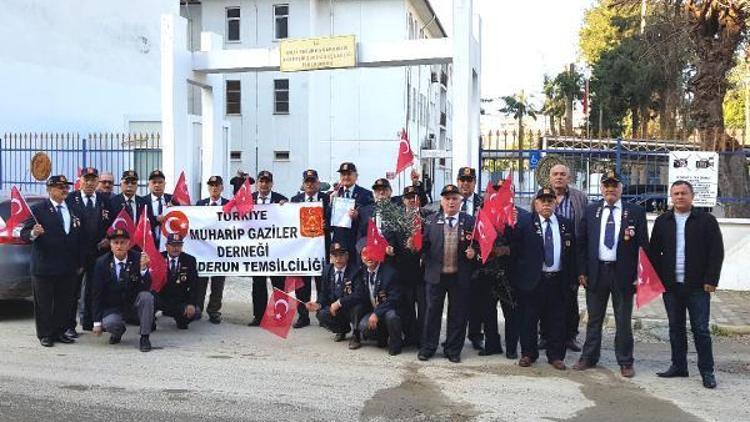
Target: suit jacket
(527, 249)
(387, 292)
(117, 202)
(95, 223)
(152, 213)
(275, 197)
(205, 202)
(331, 292)
(626, 266)
(579, 201)
(112, 295)
(704, 249)
(432, 247)
(182, 285)
(346, 236)
(54, 252)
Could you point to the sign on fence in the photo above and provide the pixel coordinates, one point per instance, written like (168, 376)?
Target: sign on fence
(701, 169)
(271, 240)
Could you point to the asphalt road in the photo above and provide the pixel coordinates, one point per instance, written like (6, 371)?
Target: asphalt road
(235, 373)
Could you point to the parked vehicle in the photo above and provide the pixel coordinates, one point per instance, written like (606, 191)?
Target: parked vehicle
(15, 259)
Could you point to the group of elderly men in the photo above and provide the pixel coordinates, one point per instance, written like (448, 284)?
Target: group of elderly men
(561, 243)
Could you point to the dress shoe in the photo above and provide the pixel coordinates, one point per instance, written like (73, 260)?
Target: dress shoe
(214, 319)
(477, 344)
(673, 372)
(47, 341)
(525, 362)
(542, 344)
(339, 337)
(423, 356)
(573, 345)
(454, 358)
(559, 365)
(583, 365)
(511, 355)
(627, 371)
(354, 342)
(709, 381)
(394, 352)
(254, 323)
(113, 339)
(65, 339)
(71, 332)
(145, 345)
(301, 323)
(181, 325)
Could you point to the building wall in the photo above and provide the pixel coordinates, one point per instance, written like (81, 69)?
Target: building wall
(79, 65)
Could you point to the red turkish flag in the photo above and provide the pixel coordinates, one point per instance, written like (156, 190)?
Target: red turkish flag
(181, 195)
(144, 239)
(292, 283)
(491, 206)
(417, 236)
(19, 212)
(79, 180)
(405, 154)
(279, 314)
(649, 285)
(485, 234)
(123, 221)
(505, 200)
(242, 201)
(376, 243)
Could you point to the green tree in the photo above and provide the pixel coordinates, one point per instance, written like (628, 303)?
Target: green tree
(519, 107)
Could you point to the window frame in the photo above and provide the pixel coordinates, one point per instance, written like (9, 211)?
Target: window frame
(276, 19)
(226, 97)
(276, 101)
(227, 19)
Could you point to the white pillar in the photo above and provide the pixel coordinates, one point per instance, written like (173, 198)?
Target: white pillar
(465, 88)
(175, 68)
(215, 151)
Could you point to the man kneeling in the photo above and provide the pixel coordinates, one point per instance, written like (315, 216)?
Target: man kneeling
(121, 290)
(337, 307)
(179, 297)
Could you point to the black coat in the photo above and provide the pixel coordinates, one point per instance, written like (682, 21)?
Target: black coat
(527, 251)
(275, 197)
(108, 294)
(704, 249)
(387, 289)
(95, 223)
(626, 267)
(54, 252)
(346, 236)
(206, 202)
(118, 201)
(182, 285)
(153, 213)
(330, 292)
(432, 247)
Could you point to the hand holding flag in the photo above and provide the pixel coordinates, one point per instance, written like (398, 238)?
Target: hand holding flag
(376, 243)
(279, 314)
(144, 239)
(19, 212)
(242, 201)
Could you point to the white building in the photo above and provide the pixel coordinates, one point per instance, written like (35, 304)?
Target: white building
(288, 122)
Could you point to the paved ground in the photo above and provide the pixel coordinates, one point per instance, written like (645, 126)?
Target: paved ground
(235, 373)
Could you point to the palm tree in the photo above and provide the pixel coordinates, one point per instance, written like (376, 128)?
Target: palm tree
(569, 85)
(519, 107)
(554, 103)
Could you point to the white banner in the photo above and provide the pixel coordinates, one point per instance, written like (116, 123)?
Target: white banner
(701, 169)
(271, 240)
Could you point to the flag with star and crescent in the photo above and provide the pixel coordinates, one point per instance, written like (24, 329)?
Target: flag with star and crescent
(280, 312)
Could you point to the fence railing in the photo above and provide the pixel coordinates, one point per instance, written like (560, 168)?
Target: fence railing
(113, 152)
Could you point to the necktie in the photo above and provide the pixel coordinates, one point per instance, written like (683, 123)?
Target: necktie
(309, 199)
(609, 231)
(263, 199)
(463, 206)
(173, 265)
(161, 207)
(121, 274)
(89, 202)
(213, 203)
(346, 193)
(549, 246)
(60, 216)
(338, 278)
(130, 209)
(450, 221)
(372, 285)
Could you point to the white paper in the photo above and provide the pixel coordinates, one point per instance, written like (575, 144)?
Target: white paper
(340, 212)
(701, 169)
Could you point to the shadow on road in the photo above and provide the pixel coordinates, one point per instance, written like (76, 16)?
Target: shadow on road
(14, 310)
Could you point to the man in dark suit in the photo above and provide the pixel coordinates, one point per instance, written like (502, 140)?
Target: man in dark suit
(611, 233)
(54, 231)
(449, 263)
(545, 267)
(348, 188)
(337, 308)
(215, 189)
(311, 193)
(264, 196)
(93, 209)
(687, 251)
(157, 202)
(377, 287)
(179, 297)
(471, 202)
(127, 198)
(121, 291)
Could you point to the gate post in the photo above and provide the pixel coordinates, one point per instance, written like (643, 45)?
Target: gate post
(618, 157)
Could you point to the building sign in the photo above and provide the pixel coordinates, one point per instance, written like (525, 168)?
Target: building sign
(434, 153)
(701, 169)
(318, 53)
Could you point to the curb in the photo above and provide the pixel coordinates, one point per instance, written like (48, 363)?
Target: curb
(730, 330)
(723, 330)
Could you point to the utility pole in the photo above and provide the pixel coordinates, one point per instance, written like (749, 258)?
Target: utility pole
(643, 16)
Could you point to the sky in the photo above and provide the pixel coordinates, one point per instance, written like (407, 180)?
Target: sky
(523, 40)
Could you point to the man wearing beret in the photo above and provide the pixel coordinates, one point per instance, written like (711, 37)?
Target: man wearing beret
(611, 233)
(54, 231)
(93, 208)
(348, 188)
(311, 193)
(215, 189)
(128, 199)
(449, 263)
(121, 291)
(179, 297)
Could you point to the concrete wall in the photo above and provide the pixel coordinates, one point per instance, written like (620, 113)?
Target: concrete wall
(79, 65)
